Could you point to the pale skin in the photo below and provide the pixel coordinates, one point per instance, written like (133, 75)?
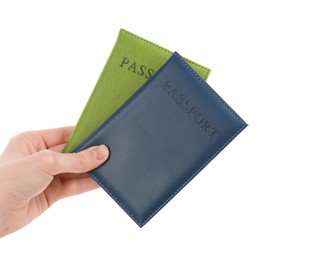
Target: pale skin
(34, 174)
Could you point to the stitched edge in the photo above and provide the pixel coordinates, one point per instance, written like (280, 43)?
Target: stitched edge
(121, 204)
(211, 157)
(141, 224)
(193, 175)
(206, 75)
(210, 89)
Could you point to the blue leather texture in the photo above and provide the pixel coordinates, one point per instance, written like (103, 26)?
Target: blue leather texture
(161, 138)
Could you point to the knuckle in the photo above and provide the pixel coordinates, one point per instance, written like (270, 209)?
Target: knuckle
(79, 159)
(18, 138)
(48, 160)
(28, 138)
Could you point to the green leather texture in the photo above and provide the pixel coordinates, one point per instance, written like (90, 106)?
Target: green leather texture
(133, 60)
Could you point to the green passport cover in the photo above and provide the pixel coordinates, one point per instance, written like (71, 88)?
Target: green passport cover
(133, 60)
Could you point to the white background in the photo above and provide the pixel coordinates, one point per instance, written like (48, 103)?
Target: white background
(253, 201)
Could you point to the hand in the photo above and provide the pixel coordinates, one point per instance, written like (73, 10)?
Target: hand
(34, 174)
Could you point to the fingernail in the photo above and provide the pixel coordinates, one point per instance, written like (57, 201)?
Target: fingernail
(100, 152)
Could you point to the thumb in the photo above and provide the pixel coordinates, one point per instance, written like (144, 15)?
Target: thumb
(54, 163)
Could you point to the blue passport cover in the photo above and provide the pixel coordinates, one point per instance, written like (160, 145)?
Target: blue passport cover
(161, 138)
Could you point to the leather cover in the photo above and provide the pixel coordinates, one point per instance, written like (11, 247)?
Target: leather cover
(132, 62)
(161, 138)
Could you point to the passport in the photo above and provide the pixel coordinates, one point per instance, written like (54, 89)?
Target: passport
(161, 138)
(133, 60)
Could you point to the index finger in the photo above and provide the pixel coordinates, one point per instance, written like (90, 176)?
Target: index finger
(55, 136)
